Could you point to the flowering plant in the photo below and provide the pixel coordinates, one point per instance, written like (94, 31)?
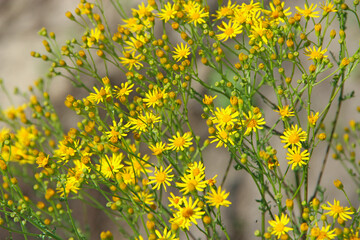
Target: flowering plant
(137, 147)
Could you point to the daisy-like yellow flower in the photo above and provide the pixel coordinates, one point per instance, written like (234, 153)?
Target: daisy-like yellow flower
(143, 123)
(315, 54)
(313, 118)
(99, 95)
(161, 177)
(71, 185)
(223, 137)
(138, 164)
(293, 136)
(337, 211)
(117, 131)
(154, 98)
(328, 8)
(259, 33)
(323, 234)
(285, 112)
(125, 89)
(208, 100)
(279, 225)
(158, 148)
(296, 157)
(143, 10)
(94, 37)
(168, 12)
(127, 175)
(135, 43)
(144, 197)
(217, 198)
(175, 201)
(181, 52)
(130, 60)
(308, 12)
(196, 169)
(252, 122)
(226, 11)
(196, 15)
(191, 183)
(230, 30)
(167, 235)
(108, 167)
(187, 214)
(178, 142)
(277, 14)
(225, 117)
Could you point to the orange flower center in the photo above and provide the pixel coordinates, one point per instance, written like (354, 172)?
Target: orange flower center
(297, 158)
(294, 138)
(252, 123)
(179, 142)
(161, 177)
(229, 31)
(187, 212)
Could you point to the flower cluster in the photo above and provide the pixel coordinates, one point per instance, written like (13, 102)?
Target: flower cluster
(135, 141)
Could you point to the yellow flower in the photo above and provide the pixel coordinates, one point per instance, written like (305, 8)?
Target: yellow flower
(223, 137)
(158, 148)
(196, 169)
(191, 183)
(175, 201)
(168, 12)
(230, 30)
(279, 225)
(315, 54)
(196, 15)
(313, 118)
(71, 185)
(337, 211)
(130, 60)
(253, 122)
(138, 164)
(178, 142)
(144, 197)
(143, 123)
(187, 214)
(296, 157)
(323, 234)
(94, 34)
(108, 167)
(162, 177)
(259, 33)
(181, 51)
(285, 112)
(225, 117)
(217, 198)
(99, 95)
(293, 136)
(277, 14)
(117, 131)
(327, 8)
(225, 11)
(308, 12)
(208, 100)
(143, 11)
(154, 98)
(167, 235)
(125, 89)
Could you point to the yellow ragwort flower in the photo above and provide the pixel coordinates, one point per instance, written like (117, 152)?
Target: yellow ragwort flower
(161, 177)
(308, 12)
(229, 30)
(296, 157)
(178, 142)
(217, 198)
(293, 136)
(279, 225)
(181, 51)
(337, 211)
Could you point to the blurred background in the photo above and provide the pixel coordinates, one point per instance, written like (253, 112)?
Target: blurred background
(20, 20)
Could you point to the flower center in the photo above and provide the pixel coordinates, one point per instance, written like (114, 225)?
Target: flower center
(161, 177)
(294, 138)
(297, 158)
(252, 123)
(226, 118)
(337, 209)
(187, 212)
(179, 142)
(279, 227)
(191, 185)
(229, 31)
